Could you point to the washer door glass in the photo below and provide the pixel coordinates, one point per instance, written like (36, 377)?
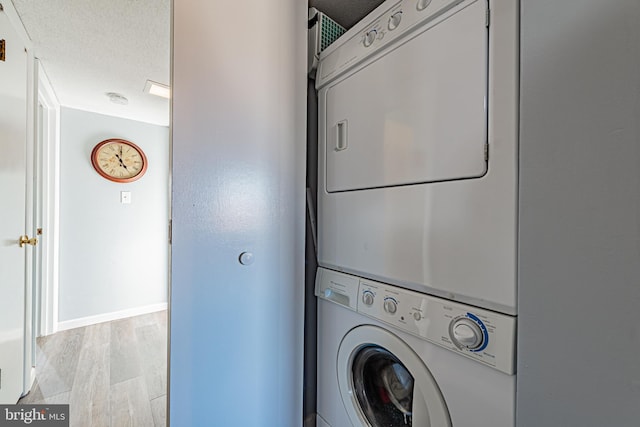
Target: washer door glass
(384, 383)
(383, 387)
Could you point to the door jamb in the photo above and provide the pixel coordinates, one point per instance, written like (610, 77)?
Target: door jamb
(50, 202)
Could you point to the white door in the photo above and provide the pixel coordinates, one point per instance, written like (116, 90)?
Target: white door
(13, 139)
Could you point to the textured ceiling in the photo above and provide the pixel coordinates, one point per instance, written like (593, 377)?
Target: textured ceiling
(345, 12)
(91, 47)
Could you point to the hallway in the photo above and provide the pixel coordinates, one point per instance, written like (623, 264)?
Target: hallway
(111, 374)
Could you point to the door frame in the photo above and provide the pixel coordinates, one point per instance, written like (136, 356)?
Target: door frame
(46, 291)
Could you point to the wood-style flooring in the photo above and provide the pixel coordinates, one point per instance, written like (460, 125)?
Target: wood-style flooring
(111, 374)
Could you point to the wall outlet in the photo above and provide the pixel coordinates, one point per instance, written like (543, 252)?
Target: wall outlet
(125, 197)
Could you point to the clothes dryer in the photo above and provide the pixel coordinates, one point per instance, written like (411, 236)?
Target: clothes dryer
(391, 357)
(418, 149)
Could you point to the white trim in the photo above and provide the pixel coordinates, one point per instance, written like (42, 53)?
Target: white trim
(32, 376)
(29, 326)
(51, 203)
(107, 317)
(46, 90)
(16, 22)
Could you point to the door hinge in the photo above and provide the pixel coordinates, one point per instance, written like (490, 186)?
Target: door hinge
(170, 231)
(486, 152)
(488, 18)
(3, 48)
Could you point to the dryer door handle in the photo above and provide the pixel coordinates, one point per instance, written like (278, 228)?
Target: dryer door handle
(341, 136)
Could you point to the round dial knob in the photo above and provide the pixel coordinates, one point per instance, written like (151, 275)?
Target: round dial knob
(417, 316)
(367, 298)
(422, 4)
(370, 37)
(466, 333)
(394, 20)
(390, 306)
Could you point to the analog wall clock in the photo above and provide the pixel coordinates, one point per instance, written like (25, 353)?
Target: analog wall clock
(119, 160)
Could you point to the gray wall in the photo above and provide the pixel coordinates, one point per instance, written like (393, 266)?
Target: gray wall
(113, 256)
(579, 284)
(238, 138)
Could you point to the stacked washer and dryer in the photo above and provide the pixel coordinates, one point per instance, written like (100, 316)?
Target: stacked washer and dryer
(417, 220)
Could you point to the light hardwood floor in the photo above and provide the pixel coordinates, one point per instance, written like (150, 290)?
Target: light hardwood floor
(112, 374)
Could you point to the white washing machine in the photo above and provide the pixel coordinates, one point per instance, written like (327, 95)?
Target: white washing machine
(392, 357)
(418, 149)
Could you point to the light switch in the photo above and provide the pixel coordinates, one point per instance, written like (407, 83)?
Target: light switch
(125, 197)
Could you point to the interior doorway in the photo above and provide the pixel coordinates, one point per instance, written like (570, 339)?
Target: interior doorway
(75, 250)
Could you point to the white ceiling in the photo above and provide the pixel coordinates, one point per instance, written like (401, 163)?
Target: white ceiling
(91, 47)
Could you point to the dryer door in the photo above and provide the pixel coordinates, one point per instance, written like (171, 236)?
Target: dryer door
(383, 382)
(416, 113)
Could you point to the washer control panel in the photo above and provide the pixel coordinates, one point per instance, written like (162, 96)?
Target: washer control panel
(480, 334)
(341, 289)
(387, 23)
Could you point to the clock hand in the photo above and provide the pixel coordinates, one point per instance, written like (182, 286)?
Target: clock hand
(121, 162)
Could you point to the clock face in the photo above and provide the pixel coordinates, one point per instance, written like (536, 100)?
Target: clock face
(119, 160)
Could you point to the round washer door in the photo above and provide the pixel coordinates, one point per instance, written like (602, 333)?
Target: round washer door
(383, 382)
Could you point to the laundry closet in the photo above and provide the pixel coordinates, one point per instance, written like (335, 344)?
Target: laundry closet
(467, 202)
(417, 217)
(434, 206)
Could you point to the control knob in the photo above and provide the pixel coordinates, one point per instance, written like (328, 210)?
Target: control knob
(367, 298)
(369, 38)
(390, 306)
(466, 333)
(422, 4)
(394, 20)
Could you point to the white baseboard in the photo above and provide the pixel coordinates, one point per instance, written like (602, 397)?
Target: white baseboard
(107, 317)
(30, 381)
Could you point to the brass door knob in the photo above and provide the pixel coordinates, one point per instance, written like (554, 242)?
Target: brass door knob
(25, 240)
